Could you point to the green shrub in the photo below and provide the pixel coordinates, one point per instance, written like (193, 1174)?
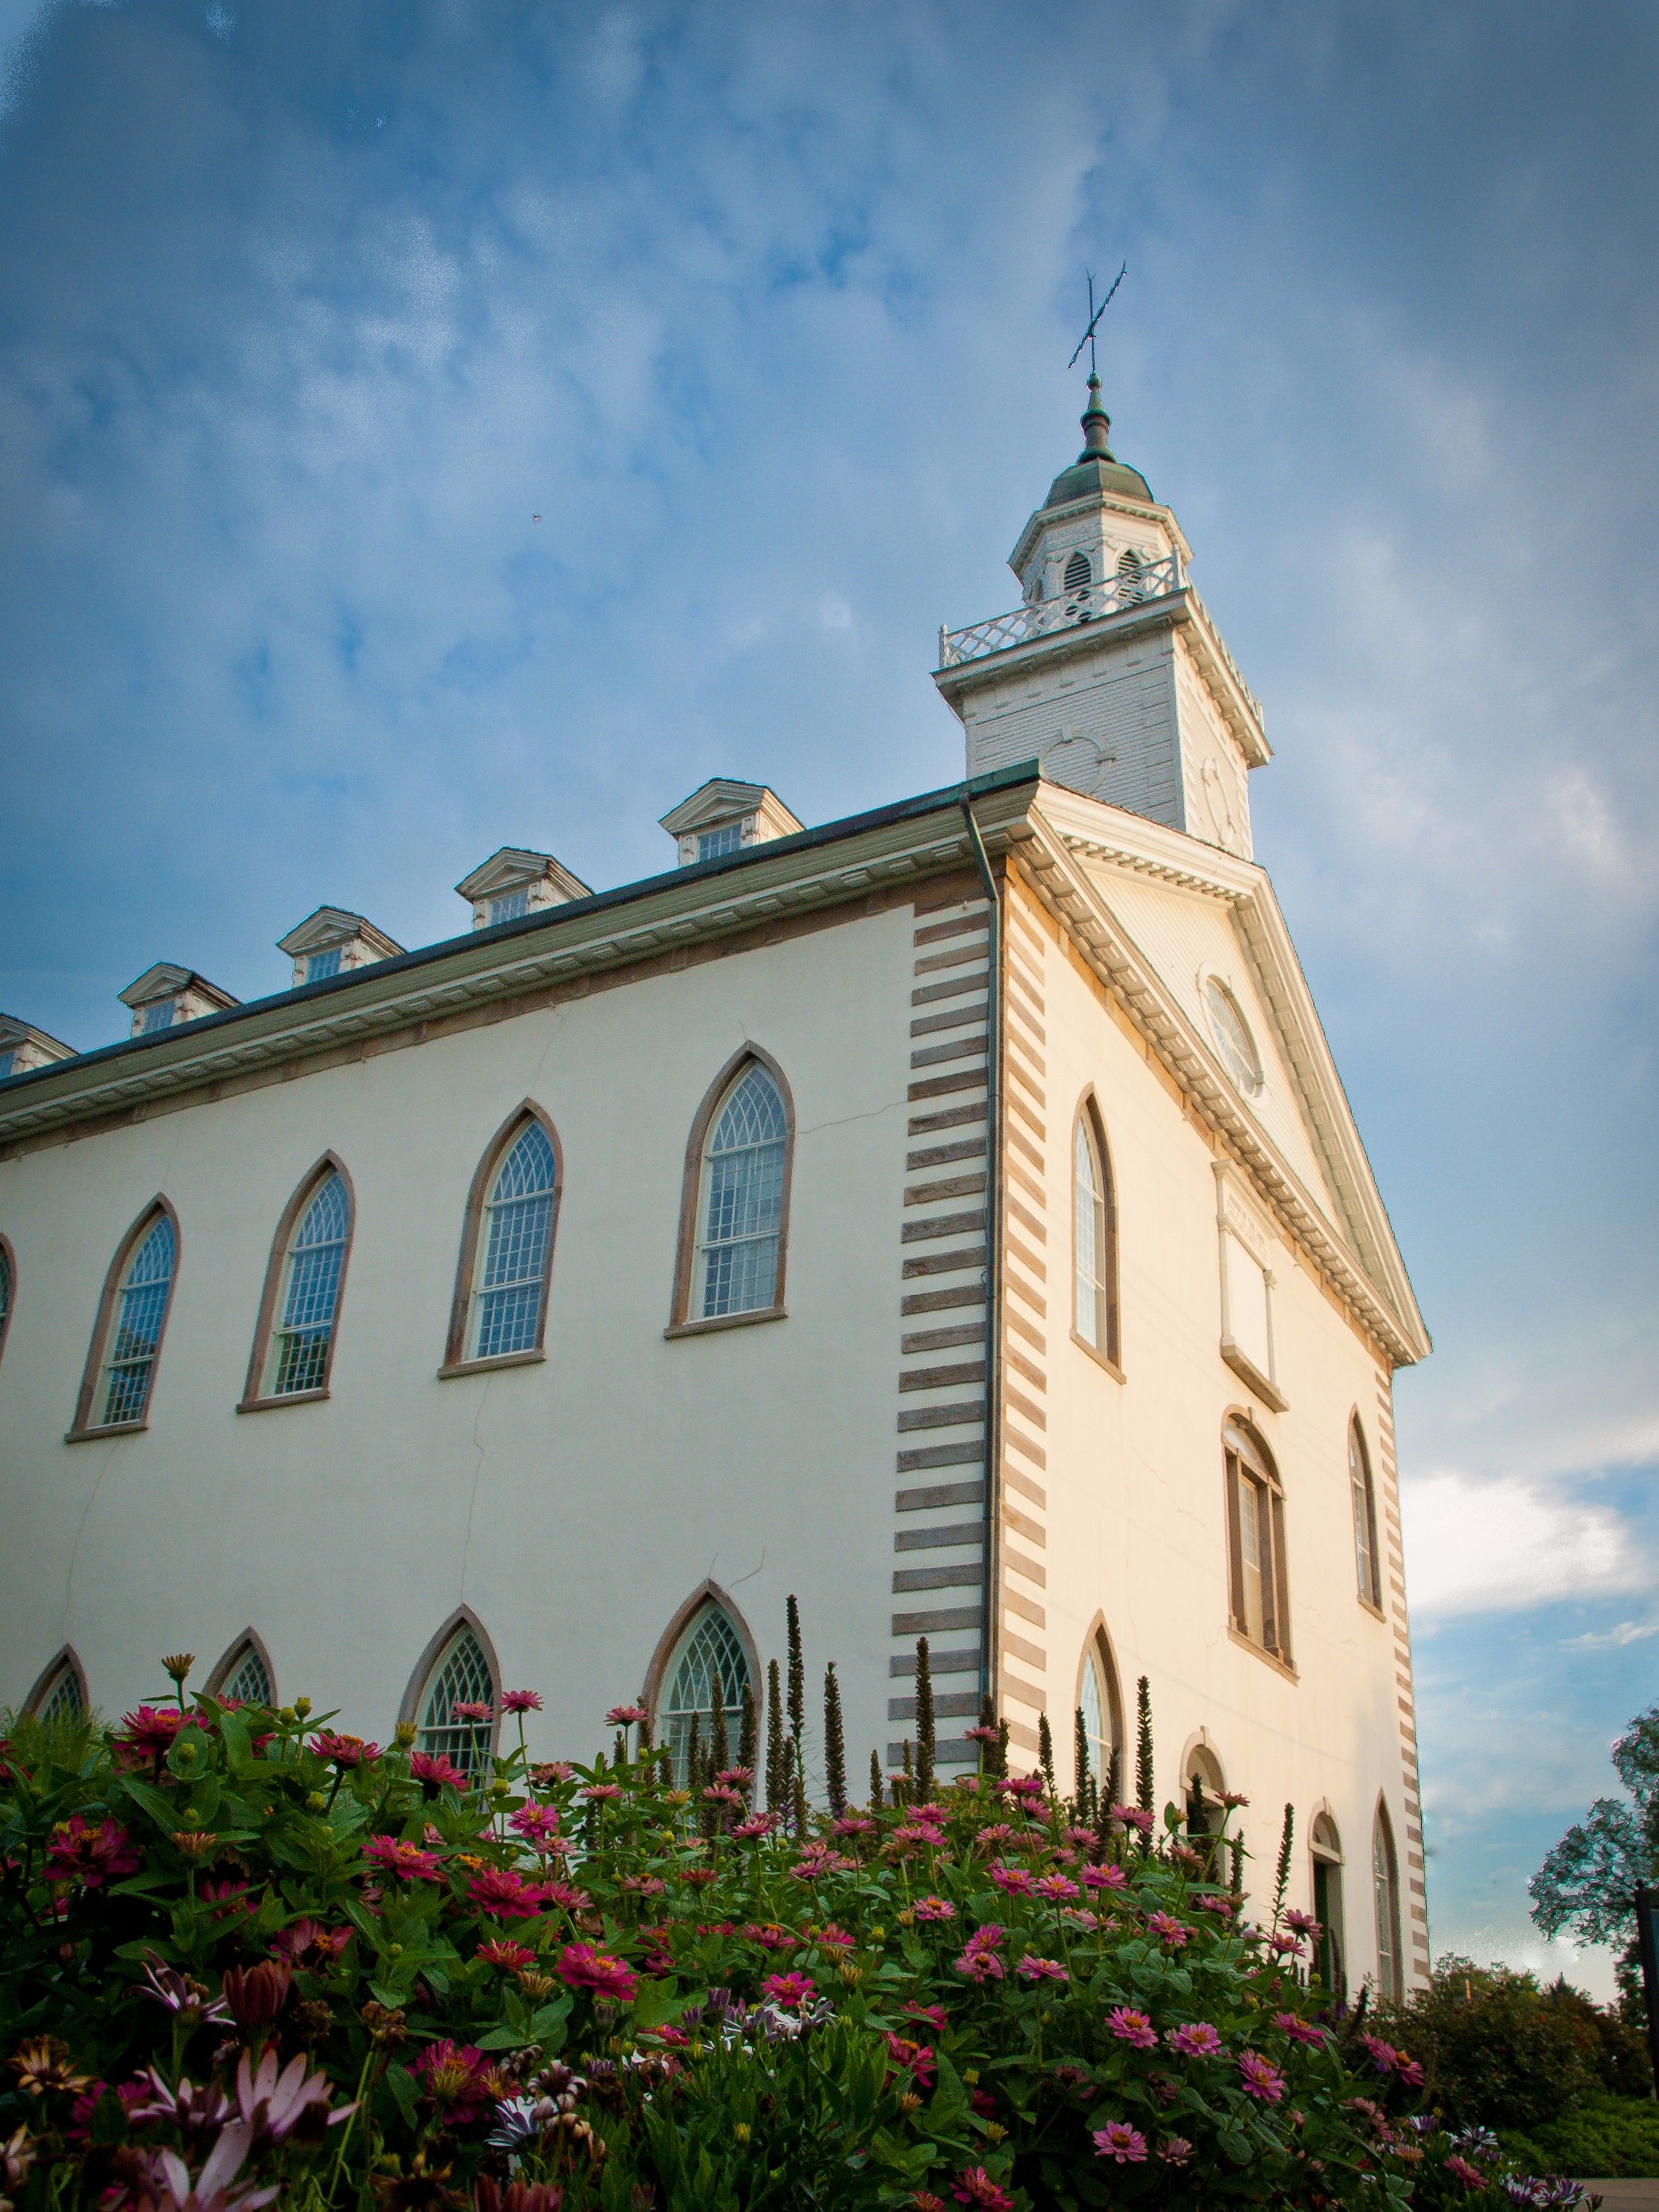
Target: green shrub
(559, 1986)
(1601, 2138)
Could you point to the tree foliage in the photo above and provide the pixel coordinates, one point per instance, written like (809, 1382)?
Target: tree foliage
(1586, 1886)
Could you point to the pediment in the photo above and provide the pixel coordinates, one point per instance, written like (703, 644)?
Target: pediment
(164, 981)
(334, 925)
(723, 798)
(515, 866)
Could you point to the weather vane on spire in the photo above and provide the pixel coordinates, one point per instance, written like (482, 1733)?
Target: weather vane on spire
(1095, 314)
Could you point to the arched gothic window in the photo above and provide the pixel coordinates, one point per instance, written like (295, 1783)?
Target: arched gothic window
(1256, 1529)
(1385, 1885)
(115, 1392)
(1367, 1566)
(243, 1675)
(738, 1201)
(1094, 1237)
(506, 1251)
(709, 1670)
(1204, 1783)
(461, 1674)
(1098, 1701)
(1330, 1955)
(61, 1694)
(294, 1346)
(8, 1289)
(1078, 575)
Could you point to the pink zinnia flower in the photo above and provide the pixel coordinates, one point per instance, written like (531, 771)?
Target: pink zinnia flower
(507, 1895)
(851, 1823)
(1167, 1929)
(602, 1792)
(472, 1709)
(759, 1824)
(739, 1777)
(1470, 2176)
(935, 1908)
(567, 1897)
(1055, 1887)
(510, 1955)
(1132, 1817)
(915, 2058)
(932, 2016)
(1304, 1923)
(1174, 2150)
(624, 1715)
(1262, 2077)
(535, 1823)
(407, 1859)
(721, 1793)
(1104, 1877)
(1299, 2031)
(1131, 2027)
(433, 1773)
(454, 2075)
(789, 1989)
(976, 2186)
(831, 1938)
(1075, 1916)
(1042, 1970)
(1196, 2038)
(521, 1701)
(343, 1750)
(1084, 1838)
(90, 1856)
(1120, 2142)
(1284, 1941)
(998, 1832)
(151, 1730)
(585, 1968)
(551, 1770)
(1015, 1880)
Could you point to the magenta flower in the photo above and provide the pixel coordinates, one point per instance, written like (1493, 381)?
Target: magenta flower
(407, 1861)
(1055, 1887)
(1121, 2142)
(935, 1908)
(624, 1715)
(151, 1731)
(521, 1701)
(1174, 2150)
(1014, 1880)
(1304, 1923)
(998, 1832)
(979, 1966)
(1167, 1929)
(851, 1823)
(721, 1793)
(472, 1709)
(1034, 1969)
(510, 1956)
(737, 1778)
(1262, 2077)
(551, 1770)
(585, 1968)
(343, 1750)
(567, 1897)
(976, 2186)
(932, 2016)
(759, 1824)
(90, 1856)
(1470, 2176)
(1131, 1816)
(1284, 1941)
(789, 1989)
(1299, 2031)
(535, 1823)
(1131, 2027)
(1104, 1877)
(456, 2077)
(916, 2059)
(433, 1773)
(1195, 2038)
(602, 1792)
(507, 1895)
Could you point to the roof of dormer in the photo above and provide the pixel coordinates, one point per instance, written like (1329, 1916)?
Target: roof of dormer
(513, 865)
(723, 798)
(333, 925)
(15, 1031)
(166, 980)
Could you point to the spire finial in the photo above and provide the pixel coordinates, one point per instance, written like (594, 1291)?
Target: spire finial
(1097, 426)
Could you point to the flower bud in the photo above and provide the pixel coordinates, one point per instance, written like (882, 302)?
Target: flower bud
(256, 1994)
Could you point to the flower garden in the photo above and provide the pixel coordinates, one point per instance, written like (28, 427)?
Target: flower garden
(246, 1960)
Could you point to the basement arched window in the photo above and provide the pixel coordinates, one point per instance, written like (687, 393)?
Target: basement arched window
(459, 1676)
(709, 1673)
(1385, 1887)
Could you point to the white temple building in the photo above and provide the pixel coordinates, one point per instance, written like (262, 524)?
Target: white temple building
(952, 1215)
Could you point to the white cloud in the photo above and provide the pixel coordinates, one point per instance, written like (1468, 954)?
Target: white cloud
(1480, 1544)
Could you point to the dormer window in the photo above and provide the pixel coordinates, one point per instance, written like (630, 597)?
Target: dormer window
(515, 882)
(723, 817)
(165, 995)
(22, 1048)
(334, 942)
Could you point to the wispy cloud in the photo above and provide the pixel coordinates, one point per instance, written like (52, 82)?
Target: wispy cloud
(1497, 1543)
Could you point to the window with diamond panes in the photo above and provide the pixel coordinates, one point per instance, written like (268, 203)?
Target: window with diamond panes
(510, 1278)
(62, 1700)
(742, 1209)
(247, 1683)
(310, 1292)
(708, 1671)
(135, 1335)
(461, 1677)
(5, 1293)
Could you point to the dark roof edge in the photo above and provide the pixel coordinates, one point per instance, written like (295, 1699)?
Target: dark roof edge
(806, 841)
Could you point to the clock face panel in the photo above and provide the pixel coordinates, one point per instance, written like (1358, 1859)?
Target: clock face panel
(1232, 1036)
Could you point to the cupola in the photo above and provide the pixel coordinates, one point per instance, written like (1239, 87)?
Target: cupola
(23, 1047)
(1109, 674)
(513, 883)
(165, 995)
(723, 815)
(332, 942)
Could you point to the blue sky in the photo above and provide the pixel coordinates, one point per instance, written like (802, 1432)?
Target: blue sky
(305, 309)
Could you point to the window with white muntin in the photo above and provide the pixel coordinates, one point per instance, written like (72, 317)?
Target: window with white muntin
(1255, 1535)
(741, 1211)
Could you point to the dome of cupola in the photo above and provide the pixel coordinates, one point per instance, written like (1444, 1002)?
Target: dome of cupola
(1096, 469)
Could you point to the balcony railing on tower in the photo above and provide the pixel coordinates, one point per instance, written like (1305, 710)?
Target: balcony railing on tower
(1130, 587)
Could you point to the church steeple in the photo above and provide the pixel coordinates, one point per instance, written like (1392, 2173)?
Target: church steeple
(1110, 673)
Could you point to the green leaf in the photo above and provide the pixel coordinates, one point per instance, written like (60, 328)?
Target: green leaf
(162, 1809)
(657, 2003)
(401, 2082)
